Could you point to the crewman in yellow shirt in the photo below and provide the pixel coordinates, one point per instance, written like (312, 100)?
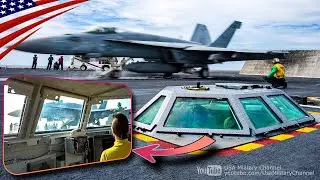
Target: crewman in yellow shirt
(277, 76)
(122, 146)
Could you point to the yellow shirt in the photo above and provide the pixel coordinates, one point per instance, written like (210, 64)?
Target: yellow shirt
(280, 71)
(119, 150)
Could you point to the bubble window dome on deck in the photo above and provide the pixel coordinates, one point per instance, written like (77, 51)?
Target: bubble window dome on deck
(225, 109)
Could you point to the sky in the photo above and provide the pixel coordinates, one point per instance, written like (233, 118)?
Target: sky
(272, 24)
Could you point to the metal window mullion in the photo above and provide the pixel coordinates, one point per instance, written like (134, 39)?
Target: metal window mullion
(275, 110)
(239, 113)
(29, 115)
(85, 114)
(37, 116)
(242, 114)
(145, 107)
(165, 110)
(296, 104)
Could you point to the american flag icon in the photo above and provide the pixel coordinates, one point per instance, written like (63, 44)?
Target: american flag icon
(16, 15)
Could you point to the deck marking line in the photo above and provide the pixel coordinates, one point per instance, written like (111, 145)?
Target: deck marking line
(248, 147)
(306, 129)
(281, 137)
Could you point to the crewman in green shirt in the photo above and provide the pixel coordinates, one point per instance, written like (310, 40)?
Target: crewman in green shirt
(277, 75)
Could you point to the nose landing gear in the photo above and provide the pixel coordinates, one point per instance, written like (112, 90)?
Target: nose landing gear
(167, 75)
(115, 74)
(204, 72)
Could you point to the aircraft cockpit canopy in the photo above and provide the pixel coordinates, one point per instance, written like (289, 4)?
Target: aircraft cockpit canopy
(104, 30)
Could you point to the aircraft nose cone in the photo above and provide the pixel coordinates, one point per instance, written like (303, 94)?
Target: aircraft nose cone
(22, 47)
(28, 46)
(41, 46)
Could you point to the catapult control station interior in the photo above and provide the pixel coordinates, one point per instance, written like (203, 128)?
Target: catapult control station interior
(232, 114)
(53, 123)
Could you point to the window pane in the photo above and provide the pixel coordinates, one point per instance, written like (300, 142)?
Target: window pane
(287, 108)
(13, 109)
(102, 114)
(148, 115)
(258, 112)
(61, 115)
(202, 113)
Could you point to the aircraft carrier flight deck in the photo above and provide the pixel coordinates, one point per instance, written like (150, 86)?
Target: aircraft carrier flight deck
(300, 153)
(143, 91)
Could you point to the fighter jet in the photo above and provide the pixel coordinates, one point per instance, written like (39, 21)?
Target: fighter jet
(161, 54)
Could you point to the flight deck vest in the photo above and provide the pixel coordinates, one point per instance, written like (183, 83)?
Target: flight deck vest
(280, 71)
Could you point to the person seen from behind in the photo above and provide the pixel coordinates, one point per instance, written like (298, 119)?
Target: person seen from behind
(122, 146)
(61, 62)
(50, 59)
(34, 62)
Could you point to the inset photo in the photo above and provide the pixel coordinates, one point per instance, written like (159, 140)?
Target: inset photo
(54, 123)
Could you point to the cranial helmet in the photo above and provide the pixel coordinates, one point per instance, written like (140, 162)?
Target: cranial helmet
(275, 60)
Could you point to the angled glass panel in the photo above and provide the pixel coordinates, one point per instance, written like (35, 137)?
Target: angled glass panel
(203, 114)
(150, 113)
(60, 115)
(101, 114)
(14, 105)
(259, 113)
(288, 108)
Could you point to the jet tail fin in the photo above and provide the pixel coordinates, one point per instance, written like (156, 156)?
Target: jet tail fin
(225, 38)
(201, 35)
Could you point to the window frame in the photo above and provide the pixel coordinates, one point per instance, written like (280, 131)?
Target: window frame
(26, 100)
(289, 122)
(148, 108)
(205, 98)
(27, 92)
(58, 132)
(166, 102)
(231, 100)
(267, 105)
(106, 127)
(285, 123)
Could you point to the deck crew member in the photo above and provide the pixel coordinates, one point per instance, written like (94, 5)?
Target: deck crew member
(119, 107)
(122, 146)
(61, 62)
(34, 63)
(56, 66)
(50, 59)
(277, 76)
(115, 60)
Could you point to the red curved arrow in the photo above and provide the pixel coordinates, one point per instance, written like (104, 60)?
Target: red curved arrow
(148, 152)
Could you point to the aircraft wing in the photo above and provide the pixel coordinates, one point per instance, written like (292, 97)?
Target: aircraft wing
(214, 49)
(155, 43)
(197, 47)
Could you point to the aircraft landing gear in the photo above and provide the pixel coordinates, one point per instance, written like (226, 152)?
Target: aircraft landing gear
(105, 67)
(83, 67)
(167, 75)
(115, 74)
(204, 73)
